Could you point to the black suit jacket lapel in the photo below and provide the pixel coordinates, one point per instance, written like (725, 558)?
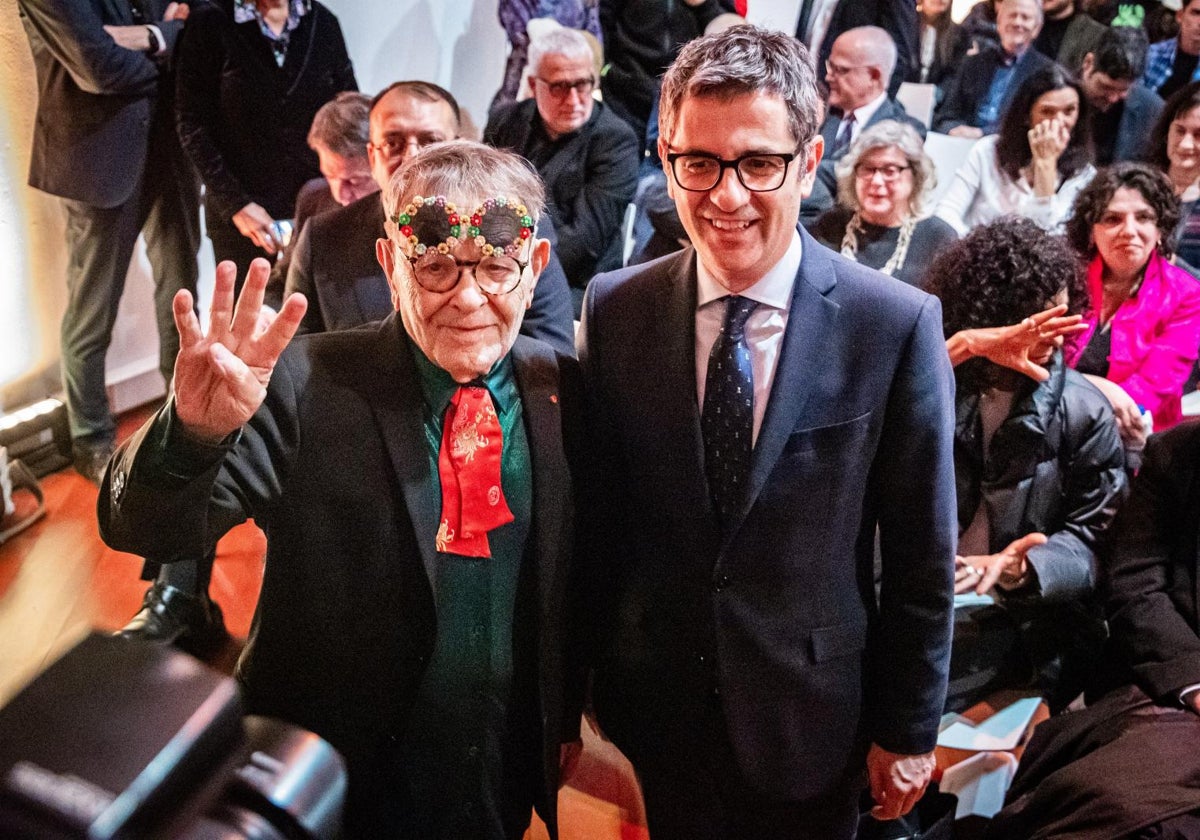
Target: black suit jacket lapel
(812, 317)
(399, 411)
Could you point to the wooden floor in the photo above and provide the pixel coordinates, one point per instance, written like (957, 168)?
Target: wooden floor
(58, 581)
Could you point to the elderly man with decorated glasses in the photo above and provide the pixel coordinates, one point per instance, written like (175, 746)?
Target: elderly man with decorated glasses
(412, 481)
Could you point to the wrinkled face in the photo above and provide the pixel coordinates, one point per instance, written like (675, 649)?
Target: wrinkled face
(463, 331)
(1126, 232)
(1018, 23)
(349, 177)
(1102, 90)
(402, 125)
(1061, 105)
(1189, 27)
(883, 183)
(1183, 143)
(852, 80)
(739, 234)
(564, 100)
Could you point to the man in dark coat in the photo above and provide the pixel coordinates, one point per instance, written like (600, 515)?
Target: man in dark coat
(587, 156)
(1122, 107)
(1129, 764)
(413, 483)
(758, 406)
(104, 143)
(979, 92)
(899, 20)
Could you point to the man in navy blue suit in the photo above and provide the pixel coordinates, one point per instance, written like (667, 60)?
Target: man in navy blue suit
(761, 409)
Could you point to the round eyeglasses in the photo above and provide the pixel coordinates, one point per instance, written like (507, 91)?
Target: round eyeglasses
(890, 172)
(757, 172)
(559, 90)
(495, 275)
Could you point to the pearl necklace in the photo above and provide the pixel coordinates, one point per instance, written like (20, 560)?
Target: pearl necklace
(854, 229)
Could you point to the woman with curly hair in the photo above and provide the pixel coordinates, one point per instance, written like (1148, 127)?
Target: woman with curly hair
(1040, 472)
(883, 183)
(1174, 147)
(1035, 165)
(1144, 313)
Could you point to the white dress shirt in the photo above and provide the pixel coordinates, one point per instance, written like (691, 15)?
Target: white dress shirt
(863, 115)
(764, 328)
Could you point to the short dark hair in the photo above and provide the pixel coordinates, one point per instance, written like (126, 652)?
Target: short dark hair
(341, 125)
(1012, 145)
(1092, 201)
(1121, 53)
(427, 91)
(998, 274)
(1177, 104)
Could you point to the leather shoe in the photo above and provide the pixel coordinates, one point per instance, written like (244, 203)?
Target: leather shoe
(90, 460)
(170, 616)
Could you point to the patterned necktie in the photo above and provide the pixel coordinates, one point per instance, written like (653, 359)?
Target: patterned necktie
(842, 142)
(473, 502)
(727, 420)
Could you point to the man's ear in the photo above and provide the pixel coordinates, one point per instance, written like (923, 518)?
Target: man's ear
(1088, 63)
(539, 258)
(816, 150)
(386, 258)
(663, 151)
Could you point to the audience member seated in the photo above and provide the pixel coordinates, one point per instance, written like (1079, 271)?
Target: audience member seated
(1174, 146)
(1121, 106)
(334, 263)
(250, 77)
(1144, 318)
(822, 22)
(1172, 63)
(339, 136)
(515, 16)
(1034, 167)
(1128, 765)
(587, 156)
(883, 185)
(1040, 472)
(1068, 33)
(985, 83)
(942, 43)
(858, 72)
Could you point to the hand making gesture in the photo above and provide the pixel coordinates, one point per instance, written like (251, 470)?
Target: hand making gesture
(221, 378)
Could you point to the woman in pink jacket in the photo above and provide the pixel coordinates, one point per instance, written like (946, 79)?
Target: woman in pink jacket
(1144, 322)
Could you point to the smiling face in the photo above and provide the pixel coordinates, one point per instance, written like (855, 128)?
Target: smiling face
(739, 234)
(463, 331)
(882, 201)
(1126, 232)
(1183, 144)
(1061, 105)
(1018, 22)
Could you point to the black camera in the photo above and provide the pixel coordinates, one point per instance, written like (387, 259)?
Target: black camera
(125, 739)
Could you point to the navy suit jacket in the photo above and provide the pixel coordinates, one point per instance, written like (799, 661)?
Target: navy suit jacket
(96, 100)
(333, 263)
(779, 617)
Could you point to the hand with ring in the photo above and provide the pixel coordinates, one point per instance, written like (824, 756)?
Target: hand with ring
(1008, 568)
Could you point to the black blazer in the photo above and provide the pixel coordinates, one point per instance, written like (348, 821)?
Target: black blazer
(968, 87)
(590, 180)
(96, 100)
(333, 467)
(333, 263)
(779, 617)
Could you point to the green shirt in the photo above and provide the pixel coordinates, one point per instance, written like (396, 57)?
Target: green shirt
(478, 694)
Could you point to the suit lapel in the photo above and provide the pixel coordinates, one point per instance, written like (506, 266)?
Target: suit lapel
(400, 414)
(537, 380)
(812, 317)
(675, 382)
(118, 12)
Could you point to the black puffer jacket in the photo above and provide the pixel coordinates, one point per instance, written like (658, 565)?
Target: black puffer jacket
(1055, 466)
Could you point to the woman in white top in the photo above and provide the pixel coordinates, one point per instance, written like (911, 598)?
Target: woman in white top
(1035, 165)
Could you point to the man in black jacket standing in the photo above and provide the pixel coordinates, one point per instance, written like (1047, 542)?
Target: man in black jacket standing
(104, 143)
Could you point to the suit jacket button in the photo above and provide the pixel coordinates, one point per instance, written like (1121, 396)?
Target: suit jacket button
(721, 582)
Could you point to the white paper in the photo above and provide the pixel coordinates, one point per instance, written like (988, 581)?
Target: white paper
(980, 783)
(1002, 731)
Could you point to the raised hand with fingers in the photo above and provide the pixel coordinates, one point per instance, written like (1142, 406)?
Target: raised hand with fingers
(221, 378)
(1009, 568)
(1023, 347)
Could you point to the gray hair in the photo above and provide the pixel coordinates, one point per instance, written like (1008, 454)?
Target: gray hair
(884, 135)
(570, 43)
(1041, 12)
(877, 47)
(342, 125)
(465, 171)
(743, 60)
